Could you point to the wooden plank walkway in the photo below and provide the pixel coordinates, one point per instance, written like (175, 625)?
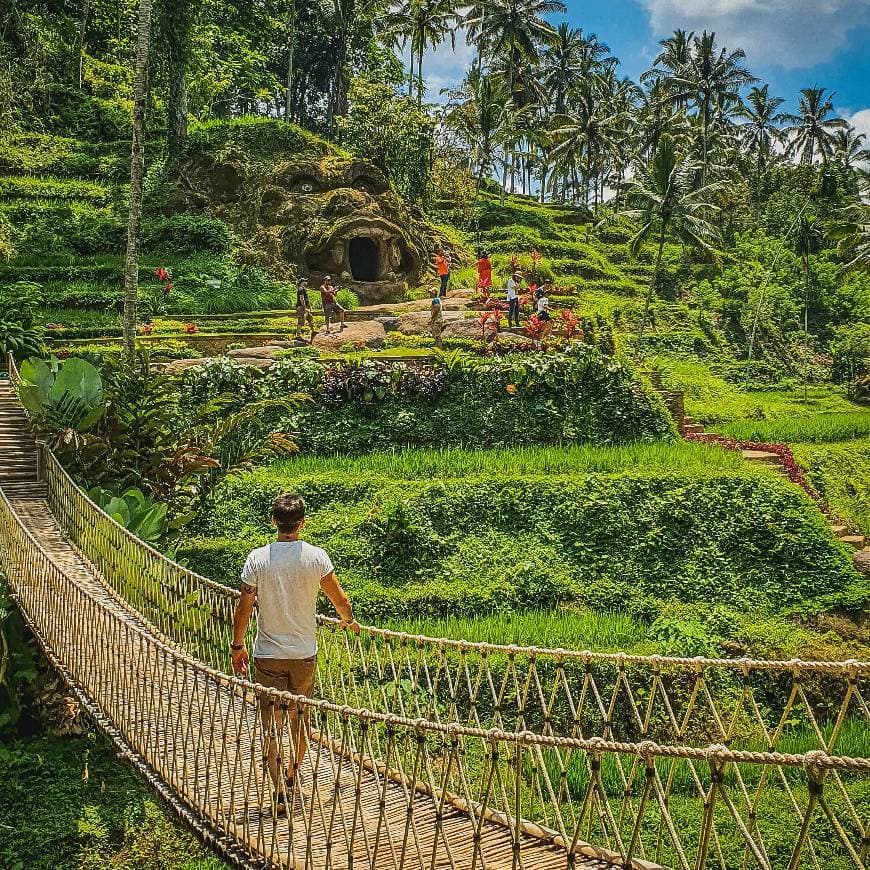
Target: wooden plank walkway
(180, 723)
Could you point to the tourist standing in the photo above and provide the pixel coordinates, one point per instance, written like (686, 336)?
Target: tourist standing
(303, 309)
(542, 308)
(436, 320)
(514, 286)
(331, 308)
(442, 265)
(284, 578)
(484, 272)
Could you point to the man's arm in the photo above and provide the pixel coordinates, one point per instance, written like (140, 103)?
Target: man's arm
(333, 591)
(241, 619)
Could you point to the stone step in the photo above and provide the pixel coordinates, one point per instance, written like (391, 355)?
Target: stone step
(856, 541)
(761, 456)
(693, 428)
(839, 530)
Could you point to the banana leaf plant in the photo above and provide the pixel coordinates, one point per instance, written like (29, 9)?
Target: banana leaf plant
(65, 399)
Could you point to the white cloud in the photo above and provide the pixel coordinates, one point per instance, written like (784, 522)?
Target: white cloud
(793, 33)
(446, 66)
(861, 122)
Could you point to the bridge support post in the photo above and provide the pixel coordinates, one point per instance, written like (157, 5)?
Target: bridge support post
(40, 461)
(717, 776)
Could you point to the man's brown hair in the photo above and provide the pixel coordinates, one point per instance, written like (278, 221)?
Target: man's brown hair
(288, 511)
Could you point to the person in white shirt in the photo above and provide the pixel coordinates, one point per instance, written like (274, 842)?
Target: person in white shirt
(542, 307)
(514, 286)
(285, 577)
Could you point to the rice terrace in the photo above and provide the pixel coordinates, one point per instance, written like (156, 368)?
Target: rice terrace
(434, 435)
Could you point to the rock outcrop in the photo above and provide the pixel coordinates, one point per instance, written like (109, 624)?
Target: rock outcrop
(303, 207)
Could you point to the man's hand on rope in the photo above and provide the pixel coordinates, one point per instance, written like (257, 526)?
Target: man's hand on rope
(241, 662)
(349, 625)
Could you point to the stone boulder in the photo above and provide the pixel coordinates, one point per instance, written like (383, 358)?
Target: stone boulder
(862, 560)
(390, 324)
(463, 327)
(417, 322)
(177, 366)
(362, 333)
(265, 351)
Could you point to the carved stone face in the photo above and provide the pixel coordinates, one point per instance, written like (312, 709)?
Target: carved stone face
(330, 215)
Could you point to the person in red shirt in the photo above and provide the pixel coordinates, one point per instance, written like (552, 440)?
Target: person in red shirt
(484, 272)
(442, 265)
(331, 308)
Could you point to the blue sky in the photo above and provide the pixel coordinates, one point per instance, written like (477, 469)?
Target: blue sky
(790, 43)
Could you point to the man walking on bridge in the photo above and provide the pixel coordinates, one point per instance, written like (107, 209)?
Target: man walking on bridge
(285, 577)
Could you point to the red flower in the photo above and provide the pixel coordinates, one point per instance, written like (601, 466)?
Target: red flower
(191, 328)
(63, 354)
(162, 274)
(570, 322)
(146, 328)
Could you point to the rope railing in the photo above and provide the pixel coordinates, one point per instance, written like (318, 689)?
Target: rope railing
(436, 752)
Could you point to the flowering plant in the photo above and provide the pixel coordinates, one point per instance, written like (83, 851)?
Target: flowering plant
(535, 327)
(191, 328)
(786, 459)
(570, 322)
(146, 328)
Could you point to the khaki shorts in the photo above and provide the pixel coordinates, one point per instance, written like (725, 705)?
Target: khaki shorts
(287, 675)
(303, 316)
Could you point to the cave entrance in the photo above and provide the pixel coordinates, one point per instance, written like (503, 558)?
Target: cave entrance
(363, 254)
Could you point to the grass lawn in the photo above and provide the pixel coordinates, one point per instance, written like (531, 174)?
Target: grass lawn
(69, 804)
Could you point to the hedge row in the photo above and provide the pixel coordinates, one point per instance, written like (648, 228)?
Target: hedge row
(478, 544)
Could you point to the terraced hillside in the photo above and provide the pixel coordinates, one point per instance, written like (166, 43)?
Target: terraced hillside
(63, 229)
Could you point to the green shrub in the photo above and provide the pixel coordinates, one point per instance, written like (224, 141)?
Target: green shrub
(54, 188)
(429, 534)
(186, 235)
(841, 473)
(563, 398)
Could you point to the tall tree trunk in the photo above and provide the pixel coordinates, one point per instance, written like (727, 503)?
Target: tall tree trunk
(652, 289)
(411, 68)
(420, 77)
(177, 24)
(291, 47)
(83, 29)
(137, 171)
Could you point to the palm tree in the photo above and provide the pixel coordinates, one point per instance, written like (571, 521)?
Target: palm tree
(515, 29)
(431, 22)
(663, 198)
(760, 130)
(396, 27)
(674, 57)
(808, 241)
(137, 171)
(563, 65)
(812, 128)
(849, 147)
(852, 231)
(712, 78)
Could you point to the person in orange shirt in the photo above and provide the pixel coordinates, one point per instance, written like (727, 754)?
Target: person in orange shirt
(442, 265)
(484, 272)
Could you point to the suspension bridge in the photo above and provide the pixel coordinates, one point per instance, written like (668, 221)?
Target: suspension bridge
(430, 752)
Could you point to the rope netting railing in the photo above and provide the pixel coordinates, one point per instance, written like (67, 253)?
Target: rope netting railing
(638, 760)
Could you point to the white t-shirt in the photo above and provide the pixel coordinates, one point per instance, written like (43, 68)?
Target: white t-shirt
(512, 289)
(287, 575)
(543, 304)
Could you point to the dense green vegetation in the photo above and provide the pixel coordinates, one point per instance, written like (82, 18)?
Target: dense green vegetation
(696, 228)
(68, 803)
(445, 533)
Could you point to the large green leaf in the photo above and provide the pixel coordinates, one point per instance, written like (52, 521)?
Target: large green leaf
(37, 374)
(77, 377)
